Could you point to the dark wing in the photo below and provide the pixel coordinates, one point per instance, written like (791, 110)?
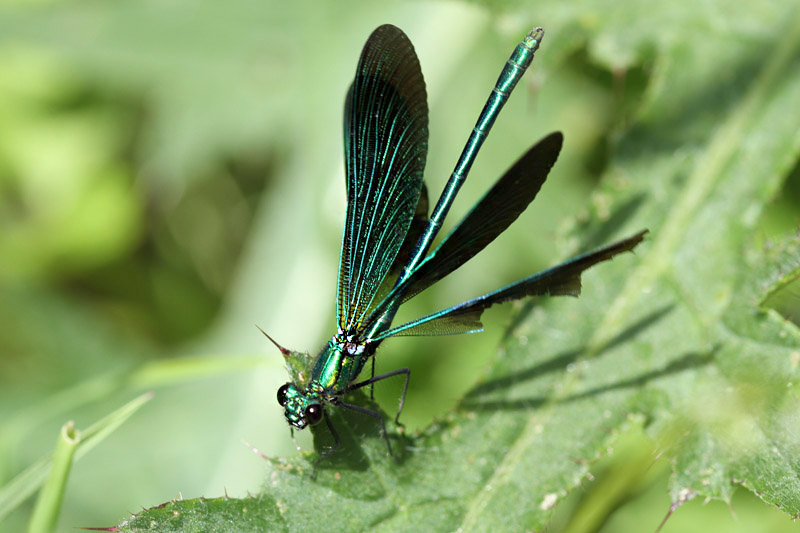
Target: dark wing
(560, 280)
(490, 217)
(385, 141)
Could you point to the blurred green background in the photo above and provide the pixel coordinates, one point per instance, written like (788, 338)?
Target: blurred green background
(171, 174)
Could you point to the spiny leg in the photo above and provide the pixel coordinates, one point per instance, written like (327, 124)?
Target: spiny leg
(373, 414)
(387, 375)
(337, 443)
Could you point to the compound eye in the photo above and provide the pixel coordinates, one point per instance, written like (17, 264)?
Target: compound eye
(282, 394)
(314, 414)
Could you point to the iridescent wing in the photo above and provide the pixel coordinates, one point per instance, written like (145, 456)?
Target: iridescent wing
(418, 224)
(385, 141)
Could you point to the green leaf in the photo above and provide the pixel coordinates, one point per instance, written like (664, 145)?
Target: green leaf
(673, 339)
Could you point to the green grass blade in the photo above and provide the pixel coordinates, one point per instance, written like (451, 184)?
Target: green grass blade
(32, 478)
(48, 505)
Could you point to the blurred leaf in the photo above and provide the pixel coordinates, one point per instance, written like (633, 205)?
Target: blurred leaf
(205, 79)
(784, 297)
(154, 374)
(65, 202)
(672, 339)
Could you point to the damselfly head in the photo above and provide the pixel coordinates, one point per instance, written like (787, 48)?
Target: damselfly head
(301, 408)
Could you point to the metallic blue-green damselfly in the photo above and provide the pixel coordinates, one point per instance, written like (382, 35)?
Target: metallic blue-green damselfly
(385, 256)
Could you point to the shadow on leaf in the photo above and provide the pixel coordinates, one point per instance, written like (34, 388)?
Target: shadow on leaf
(560, 361)
(362, 442)
(685, 362)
